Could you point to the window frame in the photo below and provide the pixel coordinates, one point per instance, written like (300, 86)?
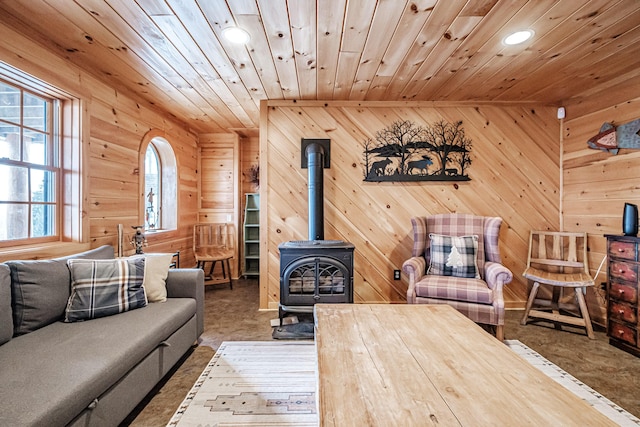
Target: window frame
(168, 200)
(68, 130)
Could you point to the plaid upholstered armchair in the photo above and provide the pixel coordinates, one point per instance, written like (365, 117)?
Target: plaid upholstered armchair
(456, 261)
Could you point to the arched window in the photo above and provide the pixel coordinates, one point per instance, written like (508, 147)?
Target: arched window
(160, 187)
(152, 188)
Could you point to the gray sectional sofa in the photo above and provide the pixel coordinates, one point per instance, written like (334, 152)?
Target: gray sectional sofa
(92, 372)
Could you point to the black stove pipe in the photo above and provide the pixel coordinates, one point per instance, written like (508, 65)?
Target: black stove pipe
(315, 164)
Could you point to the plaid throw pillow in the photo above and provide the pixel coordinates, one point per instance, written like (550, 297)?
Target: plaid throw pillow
(454, 256)
(104, 287)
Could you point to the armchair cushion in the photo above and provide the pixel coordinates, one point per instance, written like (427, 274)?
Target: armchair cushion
(454, 256)
(454, 288)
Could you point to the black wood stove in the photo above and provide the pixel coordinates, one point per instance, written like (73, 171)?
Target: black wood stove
(316, 270)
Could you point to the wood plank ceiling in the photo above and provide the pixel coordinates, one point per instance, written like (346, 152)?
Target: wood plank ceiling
(172, 53)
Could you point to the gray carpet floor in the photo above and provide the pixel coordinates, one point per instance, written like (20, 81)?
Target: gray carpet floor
(233, 315)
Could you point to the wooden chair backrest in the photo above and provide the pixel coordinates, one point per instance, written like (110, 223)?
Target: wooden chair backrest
(558, 252)
(207, 236)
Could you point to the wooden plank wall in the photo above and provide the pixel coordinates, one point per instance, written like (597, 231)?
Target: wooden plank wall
(597, 184)
(514, 174)
(219, 186)
(114, 127)
(224, 161)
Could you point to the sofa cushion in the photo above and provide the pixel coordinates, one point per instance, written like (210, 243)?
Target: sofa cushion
(40, 289)
(102, 288)
(6, 315)
(68, 365)
(101, 252)
(454, 256)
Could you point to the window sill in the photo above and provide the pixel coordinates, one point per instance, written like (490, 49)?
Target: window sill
(43, 251)
(155, 231)
(161, 232)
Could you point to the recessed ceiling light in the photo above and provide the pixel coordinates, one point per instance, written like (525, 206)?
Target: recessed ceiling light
(518, 37)
(236, 35)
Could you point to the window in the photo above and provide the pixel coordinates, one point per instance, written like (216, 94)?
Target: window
(29, 164)
(160, 210)
(35, 206)
(152, 189)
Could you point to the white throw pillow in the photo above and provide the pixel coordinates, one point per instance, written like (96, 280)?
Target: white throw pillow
(156, 269)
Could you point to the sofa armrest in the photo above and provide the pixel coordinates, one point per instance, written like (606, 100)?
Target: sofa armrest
(6, 311)
(188, 283)
(415, 268)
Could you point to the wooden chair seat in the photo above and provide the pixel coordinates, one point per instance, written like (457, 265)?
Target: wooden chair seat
(578, 279)
(558, 259)
(214, 254)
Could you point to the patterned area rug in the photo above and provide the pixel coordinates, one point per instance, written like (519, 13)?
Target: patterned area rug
(254, 383)
(577, 387)
(265, 383)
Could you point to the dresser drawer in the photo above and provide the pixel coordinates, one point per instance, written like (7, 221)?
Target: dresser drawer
(627, 271)
(623, 312)
(623, 292)
(623, 333)
(622, 249)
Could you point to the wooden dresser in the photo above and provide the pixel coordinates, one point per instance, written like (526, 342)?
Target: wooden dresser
(622, 292)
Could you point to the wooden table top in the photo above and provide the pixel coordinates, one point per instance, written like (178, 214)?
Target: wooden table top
(420, 365)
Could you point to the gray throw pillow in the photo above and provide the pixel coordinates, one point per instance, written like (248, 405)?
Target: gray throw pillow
(40, 290)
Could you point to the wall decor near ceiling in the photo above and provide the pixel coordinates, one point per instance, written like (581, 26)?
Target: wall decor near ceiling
(253, 174)
(404, 151)
(611, 138)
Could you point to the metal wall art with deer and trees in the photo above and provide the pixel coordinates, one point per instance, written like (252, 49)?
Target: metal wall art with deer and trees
(405, 151)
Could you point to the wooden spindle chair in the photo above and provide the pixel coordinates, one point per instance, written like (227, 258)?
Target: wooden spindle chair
(558, 259)
(213, 242)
